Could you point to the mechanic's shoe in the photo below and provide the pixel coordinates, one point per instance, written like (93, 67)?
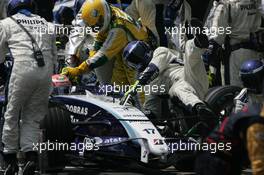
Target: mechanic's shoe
(200, 39)
(206, 115)
(11, 169)
(31, 159)
(149, 114)
(11, 162)
(31, 156)
(29, 168)
(202, 110)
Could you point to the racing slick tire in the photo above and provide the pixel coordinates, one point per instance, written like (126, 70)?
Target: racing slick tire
(221, 99)
(56, 129)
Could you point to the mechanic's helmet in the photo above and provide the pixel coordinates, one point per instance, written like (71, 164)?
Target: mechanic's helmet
(60, 85)
(77, 6)
(14, 6)
(96, 13)
(64, 15)
(252, 75)
(137, 55)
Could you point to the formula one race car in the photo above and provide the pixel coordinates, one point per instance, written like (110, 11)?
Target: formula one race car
(91, 126)
(87, 124)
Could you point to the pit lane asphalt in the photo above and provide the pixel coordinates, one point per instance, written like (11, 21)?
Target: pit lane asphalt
(94, 170)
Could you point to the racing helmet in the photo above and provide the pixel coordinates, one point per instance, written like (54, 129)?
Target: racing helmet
(137, 55)
(252, 75)
(14, 6)
(96, 13)
(77, 6)
(61, 85)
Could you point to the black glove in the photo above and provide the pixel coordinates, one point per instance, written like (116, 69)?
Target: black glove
(195, 30)
(171, 12)
(257, 40)
(211, 55)
(3, 74)
(149, 74)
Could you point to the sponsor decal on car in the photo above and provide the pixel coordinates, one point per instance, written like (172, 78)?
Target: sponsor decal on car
(109, 140)
(158, 142)
(149, 131)
(77, 109)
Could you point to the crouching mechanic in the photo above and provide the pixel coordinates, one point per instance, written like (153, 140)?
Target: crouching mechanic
(244, 130)
(186, 80)
(116, 29)
(29, 83)
(252, 76)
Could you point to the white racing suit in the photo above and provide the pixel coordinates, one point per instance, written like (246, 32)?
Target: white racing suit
(188, 82)
(77, 36)
(29, 84)
(3, 9)
(262, 7)
(237, 18)
(177, 37)
(145, 11)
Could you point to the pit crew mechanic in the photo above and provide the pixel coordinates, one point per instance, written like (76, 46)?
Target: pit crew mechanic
(177, 39)
(29, 83)
(3, 9)
(185, 79)
(64, 15)
(150, 13)
(244, 129)
(116, 30)
(251, 71)
(81, 42)
(44, 9)
(243, 18)
(76, 38)
(172, 14)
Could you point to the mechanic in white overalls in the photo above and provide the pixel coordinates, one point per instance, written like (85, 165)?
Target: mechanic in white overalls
(178, 13)
(3, 9)
(29, 83)
(244, 18)
(184, 78)
(151, 14)
(79, 45)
